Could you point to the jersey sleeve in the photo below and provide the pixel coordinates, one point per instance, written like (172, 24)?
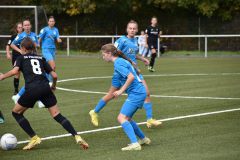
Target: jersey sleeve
(17, 40)
(115, 81)
(57, 35)
(147, 30)
(47, 68)
(35, 39)
(42, 33)
(11, 40)
(119, 44)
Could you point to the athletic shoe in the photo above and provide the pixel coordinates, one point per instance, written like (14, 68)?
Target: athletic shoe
(153, 122)
(15, 98)
(151, 69)
(40, 104)
(132, 147)
(81, 141)
(94, 117)
(33, 142)
(145, 140)
(1, 120)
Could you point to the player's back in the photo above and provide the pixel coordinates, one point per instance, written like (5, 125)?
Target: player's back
(33, 68)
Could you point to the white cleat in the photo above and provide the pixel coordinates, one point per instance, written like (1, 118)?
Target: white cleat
(144, 141)
(40, 104)
(132, 147)
(15, 98)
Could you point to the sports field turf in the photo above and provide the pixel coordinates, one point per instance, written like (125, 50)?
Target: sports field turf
(198, 83)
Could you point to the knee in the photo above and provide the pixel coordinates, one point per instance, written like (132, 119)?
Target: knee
(121, 118)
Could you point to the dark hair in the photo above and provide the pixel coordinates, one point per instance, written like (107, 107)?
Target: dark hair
(26, 19)
(115, 52)
(14, 29)
(28, 44)
(51, 17)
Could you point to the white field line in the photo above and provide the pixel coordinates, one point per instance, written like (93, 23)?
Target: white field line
(141, 123)
(155, 75)
(156, 96)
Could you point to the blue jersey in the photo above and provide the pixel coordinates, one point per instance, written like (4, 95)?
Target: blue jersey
(122, 69)
(129, 46)
(17, 41)
(49, 36)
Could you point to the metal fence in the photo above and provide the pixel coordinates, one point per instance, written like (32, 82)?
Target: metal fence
(114, 37)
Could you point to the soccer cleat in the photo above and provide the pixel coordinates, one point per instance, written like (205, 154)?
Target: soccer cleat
(15, 98)
(153, 122)
(40, 104)
(94, 117)
(132, 147)
(1, 120)
(145, 140)
(151, 69)
(81, 141)
(33, 142)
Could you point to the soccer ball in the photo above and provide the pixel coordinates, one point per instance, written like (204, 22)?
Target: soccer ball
(8, 141)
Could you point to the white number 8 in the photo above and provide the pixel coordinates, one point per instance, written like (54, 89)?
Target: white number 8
(36, 66)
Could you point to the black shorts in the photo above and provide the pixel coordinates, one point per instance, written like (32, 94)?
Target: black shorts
(153, 45)
(14, 57)
(40, 93)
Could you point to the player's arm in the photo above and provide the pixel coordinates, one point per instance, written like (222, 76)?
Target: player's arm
(109, 96)
(58, 38)
(10, 73)
(129, 80)
(54, 76)
(8, 53)
(13, 46)
(144, 60)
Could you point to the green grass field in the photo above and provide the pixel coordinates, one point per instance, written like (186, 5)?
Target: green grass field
(215, 136)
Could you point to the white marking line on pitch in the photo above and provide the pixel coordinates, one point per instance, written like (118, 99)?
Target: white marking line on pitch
(158, 75)
(156, 96)
(141, 123)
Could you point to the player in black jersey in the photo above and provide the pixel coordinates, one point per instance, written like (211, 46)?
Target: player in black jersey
(15, 54)
(153, 33)
(37, 88)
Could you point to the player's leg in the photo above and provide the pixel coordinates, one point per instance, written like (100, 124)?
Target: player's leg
(1, 118)
(101, 104)
(16, 77)
(50, 101)
(148, 108)
(17, 113)
(124, 117)
(152, 60)
(66, 124)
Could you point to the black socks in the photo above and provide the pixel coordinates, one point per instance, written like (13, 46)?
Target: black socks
(65, 123)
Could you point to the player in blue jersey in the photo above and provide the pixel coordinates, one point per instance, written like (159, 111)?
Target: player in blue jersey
(14, 45)
(125, 79)
(47, 37)
(129, 46)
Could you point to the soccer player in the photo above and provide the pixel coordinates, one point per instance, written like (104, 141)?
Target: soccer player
(37, 87)
(143, 47)
(153, 33)
(128, 45)
(125, 79)
(18, 29)
(47, 37)
(14, 45)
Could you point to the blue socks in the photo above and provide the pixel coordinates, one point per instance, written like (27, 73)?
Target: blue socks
(148, 107)
(137, 130)
(99, 106)
(128, 129)
(22, 90)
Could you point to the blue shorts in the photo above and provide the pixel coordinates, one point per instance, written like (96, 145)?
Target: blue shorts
(49, 54)
(132, 104)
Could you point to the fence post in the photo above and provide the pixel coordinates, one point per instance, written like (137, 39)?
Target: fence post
(158, 47)
(68, 47)
(112, 40)
(206, 48)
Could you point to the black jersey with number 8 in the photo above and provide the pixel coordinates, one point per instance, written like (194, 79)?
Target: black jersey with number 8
(34, 68)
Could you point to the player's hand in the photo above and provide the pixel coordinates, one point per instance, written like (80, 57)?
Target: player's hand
(59, 40)
(1, 77)
(9, 57)
(117, 93)
(146, 61)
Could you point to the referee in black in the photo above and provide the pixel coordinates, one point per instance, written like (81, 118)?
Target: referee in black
(153, 33)
(15, 54)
